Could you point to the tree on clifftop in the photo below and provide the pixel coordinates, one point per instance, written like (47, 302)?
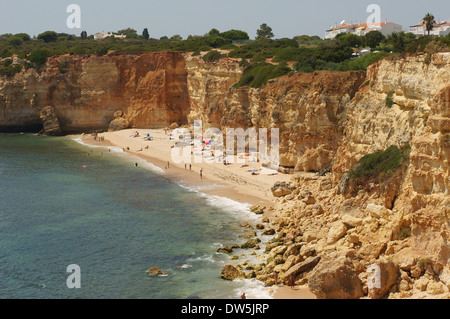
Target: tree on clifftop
(373, 38)
(145, 34)
(48, 36)
(129, 32)
(429, 22)
(264, 31)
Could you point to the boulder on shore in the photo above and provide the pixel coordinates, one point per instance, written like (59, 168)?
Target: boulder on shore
(280, 189)
(384, 275)
(297, 269)
(335, 278)
(119, 123)
(229, 272)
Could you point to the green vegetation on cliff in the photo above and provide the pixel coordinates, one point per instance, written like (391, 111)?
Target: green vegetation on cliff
(372, 165)
(257, 75)
(263, 58)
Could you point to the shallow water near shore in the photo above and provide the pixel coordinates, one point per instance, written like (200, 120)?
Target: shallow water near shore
(65, 203)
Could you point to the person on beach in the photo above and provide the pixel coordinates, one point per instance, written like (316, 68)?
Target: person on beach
(243, 296)
(168, 165)
(190, 167)
(292, 282)
(201, 173)
(136, 164)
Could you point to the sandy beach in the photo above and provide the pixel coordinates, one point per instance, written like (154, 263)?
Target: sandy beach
(234, 181)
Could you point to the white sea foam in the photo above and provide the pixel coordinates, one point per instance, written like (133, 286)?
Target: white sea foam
(129, 157)
(232, 207)
(185, 266)
(253, 289)
(150, 166)
(111, 148)
(206, 257)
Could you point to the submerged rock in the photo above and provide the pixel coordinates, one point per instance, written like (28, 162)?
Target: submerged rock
(251, 243)
(229, 272)
(156, 271)
(257, 209)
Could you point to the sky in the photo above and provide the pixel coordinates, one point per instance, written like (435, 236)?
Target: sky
(287, 18)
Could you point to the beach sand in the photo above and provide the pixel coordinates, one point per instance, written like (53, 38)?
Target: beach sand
(231, 181)
(297, 292)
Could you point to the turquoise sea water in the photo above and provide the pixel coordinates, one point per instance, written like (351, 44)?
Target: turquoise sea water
(112, 219)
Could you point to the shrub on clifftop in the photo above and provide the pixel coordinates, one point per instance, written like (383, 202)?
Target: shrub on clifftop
(39, 56)
(212, 56)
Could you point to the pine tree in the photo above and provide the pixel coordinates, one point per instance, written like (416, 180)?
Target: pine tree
(145, 34)
(264, 31)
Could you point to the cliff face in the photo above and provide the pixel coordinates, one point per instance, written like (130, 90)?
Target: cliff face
(399, 223)
(420, 117)
(306, 108)
(85, 91)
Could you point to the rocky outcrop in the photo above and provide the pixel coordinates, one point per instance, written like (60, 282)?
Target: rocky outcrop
(119, 122)
(50, 122)
(281, 189)
(229, 272)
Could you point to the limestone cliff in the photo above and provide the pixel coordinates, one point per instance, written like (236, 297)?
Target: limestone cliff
(85, 91)
(399, 224)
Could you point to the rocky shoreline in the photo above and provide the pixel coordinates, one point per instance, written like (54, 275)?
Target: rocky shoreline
(334, 256)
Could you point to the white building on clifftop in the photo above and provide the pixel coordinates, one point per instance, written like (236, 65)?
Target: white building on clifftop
(385, 28)
(101, 36)
(439, 29)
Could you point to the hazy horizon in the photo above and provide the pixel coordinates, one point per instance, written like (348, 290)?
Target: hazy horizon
(287, 18)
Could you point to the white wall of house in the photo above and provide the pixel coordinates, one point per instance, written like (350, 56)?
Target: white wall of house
(442, 29)
(390, 28)
(361, 30)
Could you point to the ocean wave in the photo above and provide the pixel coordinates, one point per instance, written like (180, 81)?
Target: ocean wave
(253, 289)
(232, 207)
(111, 148)
(152, 167)
(203, 258)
